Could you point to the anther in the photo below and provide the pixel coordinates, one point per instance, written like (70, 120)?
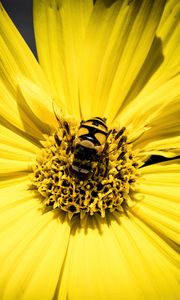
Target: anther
(66, 126)
(58, 141)
(121, 155)
(120, 133)
(121, 141)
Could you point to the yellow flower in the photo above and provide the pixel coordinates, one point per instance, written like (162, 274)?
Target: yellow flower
(112, 59)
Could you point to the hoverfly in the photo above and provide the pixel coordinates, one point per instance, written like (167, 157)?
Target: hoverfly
(89, 145)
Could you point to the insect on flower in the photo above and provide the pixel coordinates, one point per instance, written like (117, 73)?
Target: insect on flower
(80, 198)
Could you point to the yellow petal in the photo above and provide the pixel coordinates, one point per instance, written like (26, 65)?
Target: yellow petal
(38, 104)
(157, 198)
(18, 193)
(33, 245)
(36, 258)
(16, 58)
(152, 102)
(114, 52)
(157, 108)
(161, 65)
(101, 53)
(14, 146)
(161, 180)
(168, 31)
(41, 285)
(95, 267)
(17, 154)
(121, 260)
(59, 32)
(10, 166)
(19, 53)
(14, 117)
(162, 60)
(164, 220)
(160, 261)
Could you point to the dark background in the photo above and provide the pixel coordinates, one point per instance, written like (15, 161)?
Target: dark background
(20, 12)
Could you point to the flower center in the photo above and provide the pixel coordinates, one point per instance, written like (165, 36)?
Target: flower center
(85, 175)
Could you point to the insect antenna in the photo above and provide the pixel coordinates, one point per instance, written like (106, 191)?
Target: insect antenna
(63, 124)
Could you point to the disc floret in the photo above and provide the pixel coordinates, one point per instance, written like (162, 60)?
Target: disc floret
(106, 190)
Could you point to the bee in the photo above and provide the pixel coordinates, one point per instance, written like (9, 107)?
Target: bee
(89, 144)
